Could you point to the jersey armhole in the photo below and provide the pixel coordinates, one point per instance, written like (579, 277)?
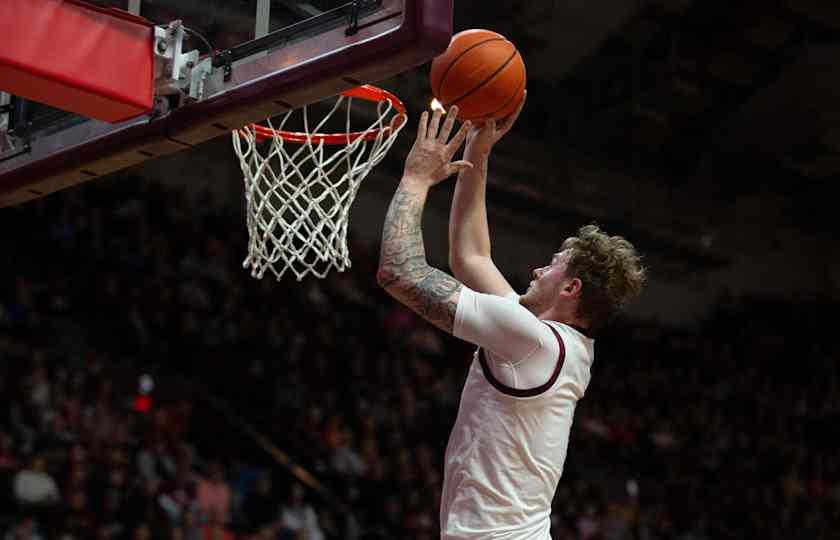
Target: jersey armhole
(525, 392)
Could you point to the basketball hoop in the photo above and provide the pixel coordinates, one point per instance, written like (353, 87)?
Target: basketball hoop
(299, 188)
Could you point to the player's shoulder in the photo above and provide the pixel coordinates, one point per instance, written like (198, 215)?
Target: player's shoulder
(572, 340)
(571, 330)
(575, 342)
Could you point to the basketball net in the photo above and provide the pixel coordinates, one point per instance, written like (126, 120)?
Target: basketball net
(299, 186)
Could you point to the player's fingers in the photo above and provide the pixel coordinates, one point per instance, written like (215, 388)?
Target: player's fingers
(446, 130)
(458, 139)
(421, 125)
(511, 118)
(432, 132)
(458, 166)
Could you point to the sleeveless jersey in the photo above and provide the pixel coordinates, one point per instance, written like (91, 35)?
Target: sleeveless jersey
(506, 451)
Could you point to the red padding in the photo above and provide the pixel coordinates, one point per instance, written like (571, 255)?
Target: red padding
(77, 57)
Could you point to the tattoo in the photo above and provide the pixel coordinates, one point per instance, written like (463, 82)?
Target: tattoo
(403, 269)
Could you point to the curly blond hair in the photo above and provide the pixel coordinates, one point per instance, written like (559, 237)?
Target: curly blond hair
(610, 269)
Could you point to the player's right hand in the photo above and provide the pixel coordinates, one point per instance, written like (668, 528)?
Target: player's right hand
(480, 140)
(430, 159)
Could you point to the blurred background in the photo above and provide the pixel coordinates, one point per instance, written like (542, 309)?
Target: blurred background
(151, 389)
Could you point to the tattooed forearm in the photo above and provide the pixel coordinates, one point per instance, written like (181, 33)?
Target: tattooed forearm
(403, 269)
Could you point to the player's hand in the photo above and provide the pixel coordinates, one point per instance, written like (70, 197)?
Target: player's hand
(430, 159)
(481, 139)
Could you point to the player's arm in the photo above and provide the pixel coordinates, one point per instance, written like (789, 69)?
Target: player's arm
(403, 269)
(486, 320)
(469, 234)
(469, 237)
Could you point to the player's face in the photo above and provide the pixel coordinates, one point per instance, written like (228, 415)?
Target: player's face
(548, 280)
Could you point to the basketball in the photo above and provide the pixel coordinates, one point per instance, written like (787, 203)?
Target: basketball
(482, 73)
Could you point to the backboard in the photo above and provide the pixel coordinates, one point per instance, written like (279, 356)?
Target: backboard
(258, 58)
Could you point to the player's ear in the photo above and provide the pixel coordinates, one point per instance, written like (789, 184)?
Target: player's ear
(574, 287)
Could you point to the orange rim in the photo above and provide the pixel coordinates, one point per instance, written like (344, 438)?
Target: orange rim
(366, 92)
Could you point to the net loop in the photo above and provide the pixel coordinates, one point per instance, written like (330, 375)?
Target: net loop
(300, 186)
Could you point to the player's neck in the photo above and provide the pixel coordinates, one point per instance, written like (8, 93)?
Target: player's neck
(563, 314)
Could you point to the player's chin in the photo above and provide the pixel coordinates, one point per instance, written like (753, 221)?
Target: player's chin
(528, 294)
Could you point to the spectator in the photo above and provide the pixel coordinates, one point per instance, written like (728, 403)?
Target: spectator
(193, 530)
(260, 507)
(78, 520)
(8, 458)
(214, 494)
(25, 529)
(154, 461)
(345, 460)
(215, 529)
(141, 503)
(142, 532)
(297, 517)
(34, 486)
(178, 496)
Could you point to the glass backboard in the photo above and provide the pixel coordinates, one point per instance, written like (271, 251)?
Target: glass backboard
(263, 57)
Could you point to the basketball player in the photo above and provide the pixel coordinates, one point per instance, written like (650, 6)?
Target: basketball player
(506, 451)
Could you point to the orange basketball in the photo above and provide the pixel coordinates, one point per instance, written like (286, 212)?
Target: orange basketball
(482, 73)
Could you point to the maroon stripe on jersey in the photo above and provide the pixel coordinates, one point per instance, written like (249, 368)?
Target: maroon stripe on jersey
(528, 392)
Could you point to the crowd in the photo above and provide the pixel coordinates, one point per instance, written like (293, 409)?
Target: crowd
(726, 431)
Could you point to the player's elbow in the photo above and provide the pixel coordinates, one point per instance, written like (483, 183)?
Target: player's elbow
(463, 265)
(392, 282)
(385, 277)
(457, 265)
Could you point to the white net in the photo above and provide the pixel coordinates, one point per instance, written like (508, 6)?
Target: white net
(298, 194)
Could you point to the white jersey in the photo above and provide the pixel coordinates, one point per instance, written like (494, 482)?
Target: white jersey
(506, 452)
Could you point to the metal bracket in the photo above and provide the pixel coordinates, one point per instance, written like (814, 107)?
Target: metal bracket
(23, 135)
(173, 67)
(355, 10)
(226, 57)
(17, 134)
(353, 27)
(25, 150)
(198, 75)
(177, 73)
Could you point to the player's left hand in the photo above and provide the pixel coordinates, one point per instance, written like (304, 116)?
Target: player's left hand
(481, 139)
(430, 159)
